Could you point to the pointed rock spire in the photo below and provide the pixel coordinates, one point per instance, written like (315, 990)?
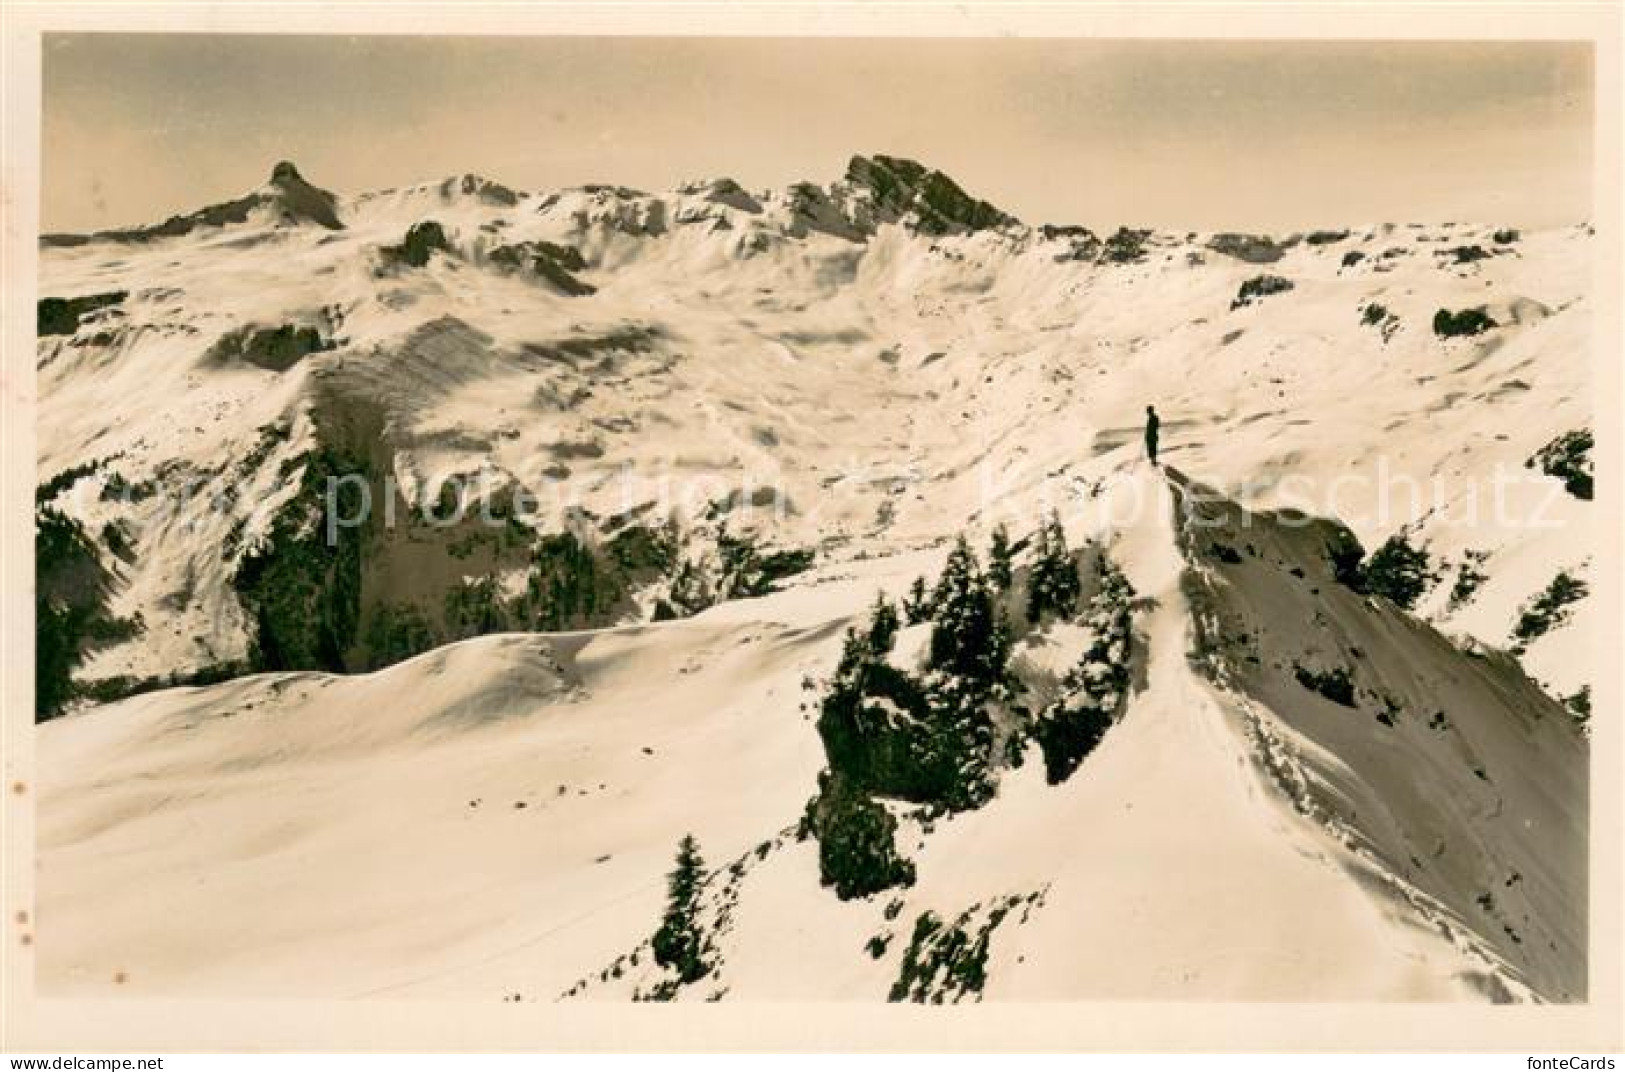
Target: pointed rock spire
(300, 200)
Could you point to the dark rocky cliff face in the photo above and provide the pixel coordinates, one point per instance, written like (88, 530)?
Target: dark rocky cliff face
(925, 199)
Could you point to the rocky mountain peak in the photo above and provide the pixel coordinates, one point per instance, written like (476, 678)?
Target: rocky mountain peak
(285, 173)
(927, 199)
(299, 200)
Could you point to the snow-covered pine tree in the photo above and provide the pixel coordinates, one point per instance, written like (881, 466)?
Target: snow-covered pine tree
(680, 944)
(966, 670)
(964, 640)
(917, 604)
(689, 592)
(926, 738)
(1000, 556)
(1094, 690)
(883, 626)
(1054, 586)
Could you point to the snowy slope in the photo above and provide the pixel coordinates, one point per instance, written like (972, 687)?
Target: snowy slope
(1456, 776)
(496, 817)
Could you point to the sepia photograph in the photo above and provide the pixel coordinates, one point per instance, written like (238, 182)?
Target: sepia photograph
(549, 520)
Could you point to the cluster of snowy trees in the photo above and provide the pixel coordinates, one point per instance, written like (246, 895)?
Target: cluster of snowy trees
(1094, 690)
(935, 735)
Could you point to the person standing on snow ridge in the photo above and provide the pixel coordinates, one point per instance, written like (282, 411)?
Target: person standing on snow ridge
(1151, 425)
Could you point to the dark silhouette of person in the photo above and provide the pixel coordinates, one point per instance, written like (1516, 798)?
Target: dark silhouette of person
(1152, 423)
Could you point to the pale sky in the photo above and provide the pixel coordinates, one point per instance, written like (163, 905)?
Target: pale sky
(1203, 135)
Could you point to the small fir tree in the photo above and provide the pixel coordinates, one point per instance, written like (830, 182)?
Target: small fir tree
(1000, 569)
(680, 944)
(883, 626)
(1054, 587)
(917, 604)
(964, 634)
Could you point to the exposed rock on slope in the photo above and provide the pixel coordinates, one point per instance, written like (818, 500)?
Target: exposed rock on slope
(61, 316)
(1254, 249)
(274, 349)
(548, 261)
(487, 190)
(927, 200)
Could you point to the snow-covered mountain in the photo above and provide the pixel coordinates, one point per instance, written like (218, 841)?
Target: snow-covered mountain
(1253, 725)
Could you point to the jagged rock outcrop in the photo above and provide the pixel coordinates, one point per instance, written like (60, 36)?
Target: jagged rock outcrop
(275, 349)
(1082, 244)
(1254, 249)
(298, 200)
(549, 261)
(420, 241)
(61, 316)
(922, 198)
(724, 191)
(478, 186)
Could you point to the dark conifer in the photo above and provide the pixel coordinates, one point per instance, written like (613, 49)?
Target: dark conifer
(680, 943)
(999, 565)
